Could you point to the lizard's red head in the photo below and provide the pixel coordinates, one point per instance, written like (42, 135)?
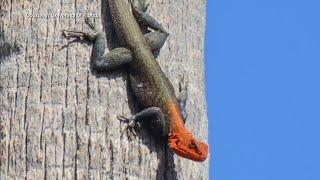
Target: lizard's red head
(181, 141)
(187, 146)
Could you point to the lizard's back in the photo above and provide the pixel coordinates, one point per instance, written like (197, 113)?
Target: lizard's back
(149, 83)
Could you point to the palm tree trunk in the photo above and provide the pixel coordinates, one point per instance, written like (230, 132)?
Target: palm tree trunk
(58, 118)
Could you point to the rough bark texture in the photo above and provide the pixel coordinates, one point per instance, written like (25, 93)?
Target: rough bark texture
(58, 118)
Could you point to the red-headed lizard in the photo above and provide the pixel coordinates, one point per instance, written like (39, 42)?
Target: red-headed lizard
(162, 111)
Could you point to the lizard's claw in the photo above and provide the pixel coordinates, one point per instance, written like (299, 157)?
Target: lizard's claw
(73, 34)
(91, 36)
(130, 129)
(141, 5)
(123, 119)
(79, 35)
(90, 24)
(183, 83)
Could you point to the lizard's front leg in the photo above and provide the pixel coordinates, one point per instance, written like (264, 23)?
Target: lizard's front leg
(151, 117)
(182, 98)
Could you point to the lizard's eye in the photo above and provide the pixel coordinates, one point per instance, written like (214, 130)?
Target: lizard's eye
(192, 144)
(177, 141)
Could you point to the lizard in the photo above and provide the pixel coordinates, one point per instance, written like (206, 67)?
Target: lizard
(162, 111)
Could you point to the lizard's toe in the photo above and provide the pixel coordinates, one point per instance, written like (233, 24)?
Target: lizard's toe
(90, 23)
(139, 5)
(130, 128)
(183, 83)
(123, 119)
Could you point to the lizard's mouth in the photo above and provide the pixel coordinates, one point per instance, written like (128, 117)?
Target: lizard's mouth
(196, 150)
(190, 155)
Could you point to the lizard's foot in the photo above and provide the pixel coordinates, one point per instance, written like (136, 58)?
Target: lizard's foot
(91, 36)
(183, 96)
(139, 9)
(183, 83)
(79, 35)
(90, 24)
(139, 5)
(130, 129)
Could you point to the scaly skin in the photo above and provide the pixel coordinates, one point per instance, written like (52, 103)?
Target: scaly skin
(152, 87)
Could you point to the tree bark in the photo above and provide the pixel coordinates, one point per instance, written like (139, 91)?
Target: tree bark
(58, 117)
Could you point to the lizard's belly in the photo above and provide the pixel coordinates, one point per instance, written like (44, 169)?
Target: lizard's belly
(145, 92)
(148, 95)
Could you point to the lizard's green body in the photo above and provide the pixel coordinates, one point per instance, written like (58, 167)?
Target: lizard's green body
(152, 88)
(147, 80)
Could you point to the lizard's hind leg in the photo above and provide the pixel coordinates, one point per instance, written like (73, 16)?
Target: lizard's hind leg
(101, 61)
(90, 36)
(121, 56)
(139, 11)
(117, 57)
(155, 39)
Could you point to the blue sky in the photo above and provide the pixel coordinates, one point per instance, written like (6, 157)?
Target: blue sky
(263, 89)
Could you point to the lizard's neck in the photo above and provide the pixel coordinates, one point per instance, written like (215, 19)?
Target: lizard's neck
(177, 126)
